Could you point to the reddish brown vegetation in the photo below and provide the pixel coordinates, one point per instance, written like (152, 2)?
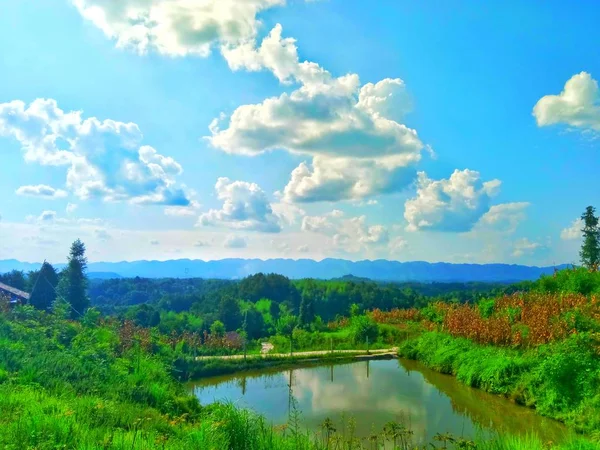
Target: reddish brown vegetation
(519, 320)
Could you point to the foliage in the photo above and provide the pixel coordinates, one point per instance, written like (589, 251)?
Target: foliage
(590, 249)
(14, 278)
(217, 328)
(364, 328)
(73, 283)
(43, 294)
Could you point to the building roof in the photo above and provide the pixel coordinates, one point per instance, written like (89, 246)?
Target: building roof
(13, 291)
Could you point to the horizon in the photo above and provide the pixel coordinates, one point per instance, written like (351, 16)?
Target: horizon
(298, 129)
(54, 263)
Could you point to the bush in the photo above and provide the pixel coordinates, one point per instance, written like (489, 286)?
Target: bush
(362, 328)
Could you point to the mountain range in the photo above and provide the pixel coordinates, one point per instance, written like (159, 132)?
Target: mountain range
(380, 270)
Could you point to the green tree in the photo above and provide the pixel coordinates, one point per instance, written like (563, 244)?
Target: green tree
(43, 293)
(590, 249)
(14, 278)
(229, 313)
(307, 311)
(73, 282)
(363, 327)
(254, 323)
(217, 328)
(286, 324)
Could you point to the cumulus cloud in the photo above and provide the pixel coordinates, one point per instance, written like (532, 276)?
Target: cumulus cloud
(245, 207)
(175, 27)
(504, 217)
(235, 242)
(578, 105)
(41, 190)
(303, 249)
(287, 213)
(104, 159)
(454, 204)
(351, 132)
(572, 232)
(350, 234)
(525, 247)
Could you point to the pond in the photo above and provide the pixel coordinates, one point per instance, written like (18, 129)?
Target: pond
(375, 393)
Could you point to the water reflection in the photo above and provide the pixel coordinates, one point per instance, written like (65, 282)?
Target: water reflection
(374, 393)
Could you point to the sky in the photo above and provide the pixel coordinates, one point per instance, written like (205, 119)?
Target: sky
(208, 129)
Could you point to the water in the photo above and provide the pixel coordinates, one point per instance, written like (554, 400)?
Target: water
(374, 393)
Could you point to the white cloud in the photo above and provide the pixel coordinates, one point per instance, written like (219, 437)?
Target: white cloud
(303, 249)
(245, 207)
(175, 27)
(454, 204)
(504, 217)
(154, 242)
(348, 234)
(102, 235)
(350, 131)
(280, 246)
(397, 244)
(183, 211)
(287, 212)
(525, 247)
(104, 159)
(573, 232)
(41, 190)
(235, 242)
(71, 207)
(47, 216)
(318, 224)
(578, 105)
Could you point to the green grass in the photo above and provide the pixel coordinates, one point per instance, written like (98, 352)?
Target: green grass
(68, 385)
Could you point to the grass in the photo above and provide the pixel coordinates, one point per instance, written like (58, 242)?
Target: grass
(88, 385)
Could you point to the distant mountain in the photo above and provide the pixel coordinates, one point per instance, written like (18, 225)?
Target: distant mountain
(103, 275)
(381, 270)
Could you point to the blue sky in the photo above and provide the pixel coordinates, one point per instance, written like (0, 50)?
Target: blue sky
(166, 129)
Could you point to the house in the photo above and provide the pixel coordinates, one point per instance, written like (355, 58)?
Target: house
(15, 296)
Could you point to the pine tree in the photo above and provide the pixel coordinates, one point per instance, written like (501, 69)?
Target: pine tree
(590, 249)
(45, 281)
(73, 282)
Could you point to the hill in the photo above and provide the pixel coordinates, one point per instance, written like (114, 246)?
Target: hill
(379, 270)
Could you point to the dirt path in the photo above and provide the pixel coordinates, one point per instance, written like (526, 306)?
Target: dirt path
(392, 350)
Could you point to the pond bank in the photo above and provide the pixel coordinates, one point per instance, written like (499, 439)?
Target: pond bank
(206, 366)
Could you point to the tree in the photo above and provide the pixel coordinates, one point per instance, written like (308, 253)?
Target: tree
(43, 293)
(14, 278)
(590, 249)
(362, 328)
(229, 313)
(254, 323)
(73, 282)
(307, 311)
(217, 328)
